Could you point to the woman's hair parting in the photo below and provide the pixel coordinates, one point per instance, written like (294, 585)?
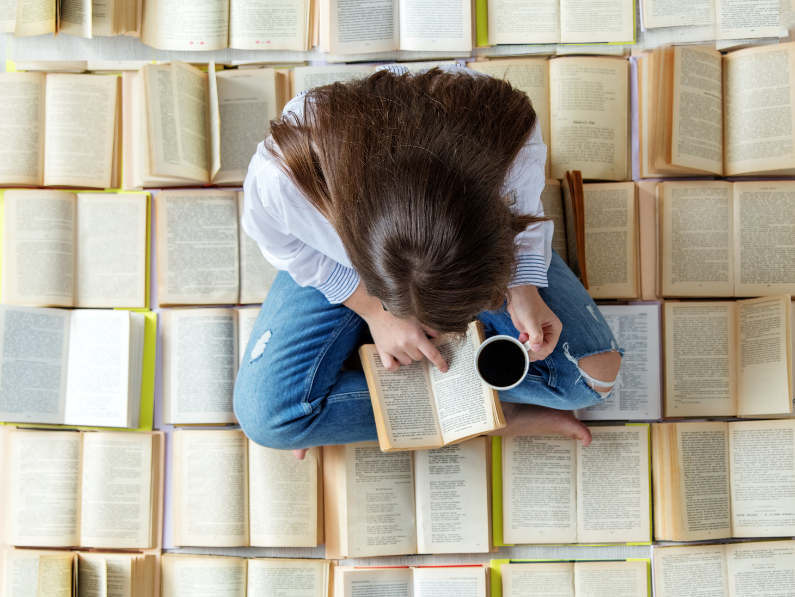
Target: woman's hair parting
(411, 170)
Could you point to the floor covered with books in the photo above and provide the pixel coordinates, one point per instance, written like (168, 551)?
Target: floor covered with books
(131, 296)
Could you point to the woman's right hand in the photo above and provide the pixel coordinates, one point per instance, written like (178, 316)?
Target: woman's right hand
(398, 342)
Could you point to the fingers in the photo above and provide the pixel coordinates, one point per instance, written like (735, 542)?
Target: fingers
(300, 454)
(390, 364)
(535, 336)
(434, 356)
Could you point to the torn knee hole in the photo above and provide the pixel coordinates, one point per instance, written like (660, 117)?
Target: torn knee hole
(602, 365)
(259, 347)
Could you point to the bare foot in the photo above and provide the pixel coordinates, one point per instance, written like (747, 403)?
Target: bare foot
(530, 419)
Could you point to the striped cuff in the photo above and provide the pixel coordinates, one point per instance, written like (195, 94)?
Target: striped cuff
(530, 271)
(395, 69)
(340, 284)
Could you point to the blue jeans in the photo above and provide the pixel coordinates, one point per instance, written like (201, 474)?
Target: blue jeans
(291, 391)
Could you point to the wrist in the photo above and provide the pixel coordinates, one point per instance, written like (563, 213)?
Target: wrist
(365, 306)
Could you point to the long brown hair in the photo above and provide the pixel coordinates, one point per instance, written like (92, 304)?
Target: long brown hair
(410, 171)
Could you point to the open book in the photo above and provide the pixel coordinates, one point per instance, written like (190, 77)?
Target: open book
(753, 569)
(75, 249)
(638, 397)
(202, 349)
(471, 580)
(203, 255)
(32, 572)
(241, 24)
(83, 19)
(418, 407)
(360, 26)
(731, 19)
(82, 489)
(184, 127)
(436, 501)
(231, 492)
(60, 130)
(582, 103)
(559, 21)
(716, 480)
(71, 367)
(719, 238)
(726, 359)
(554, 490)
(700, 112)
(575, 579)
(186, 575)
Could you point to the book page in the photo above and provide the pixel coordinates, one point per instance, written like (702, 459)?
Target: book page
(33, 347)
(246, 319)
(283, 497)
(197, 244)
(761, 569)
(677, 570)
(256, 273)
(22, 128)
(764, 233)
(386, 479)
(764, 359)
(542, 579)
(403, 401)
(696, 255)
(700, 360)
(35, 17)
(464, 404)
(210, 488)
(611, 249)
(55, 575)
(192, 576)
(111, 253)
(759, 134)
(703, 462)
(535, 22)
(583, 22)
(269, 24)
(290, 578)
(539, 497)
(38, 248)
(453, 581)
(589, 123)
(741, 19)
(247, 102)
(697, 123)
(74, 17)
(20, 572)
(185, 25)
(191, 100)
(677, 13)
(98, 373)
(451, 493)
(200, 365)
(8, 16)
(441, 25)
(92, 574)
(79, 134)
(762, 478)
(43, 499)
(308, 77)
(356, 26)
(552, 203)
(613, 486)
(120, 574)
(636, 328)
(117, 480)
(611, 579)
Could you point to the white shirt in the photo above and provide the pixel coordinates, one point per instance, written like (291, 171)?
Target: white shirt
(297, 238)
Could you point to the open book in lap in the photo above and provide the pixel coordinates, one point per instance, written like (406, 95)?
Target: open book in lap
(75, 249)
(71, 367)
(439, 500)
(60, 130)
(419, 407)
(203, 255)
(89, 489)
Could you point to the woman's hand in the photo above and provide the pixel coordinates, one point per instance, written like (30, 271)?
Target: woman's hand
(536, 322)
(399, 342)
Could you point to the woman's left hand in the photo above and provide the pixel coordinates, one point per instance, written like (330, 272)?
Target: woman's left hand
(535, 321)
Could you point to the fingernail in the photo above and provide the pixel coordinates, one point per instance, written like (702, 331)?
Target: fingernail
(536, 347)
(443, 369)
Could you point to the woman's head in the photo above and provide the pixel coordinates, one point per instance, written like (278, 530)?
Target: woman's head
(410, 171)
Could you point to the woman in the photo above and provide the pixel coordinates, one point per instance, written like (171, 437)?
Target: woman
(408, 205)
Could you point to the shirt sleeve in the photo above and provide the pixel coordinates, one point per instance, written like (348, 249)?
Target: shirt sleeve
(265, 188)
(524, 183)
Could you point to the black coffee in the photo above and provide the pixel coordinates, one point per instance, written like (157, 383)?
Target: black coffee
(501, 363)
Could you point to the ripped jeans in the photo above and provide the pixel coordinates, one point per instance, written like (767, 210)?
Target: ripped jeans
(291, 391)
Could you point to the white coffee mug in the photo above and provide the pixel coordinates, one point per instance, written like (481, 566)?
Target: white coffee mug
(525, 348)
